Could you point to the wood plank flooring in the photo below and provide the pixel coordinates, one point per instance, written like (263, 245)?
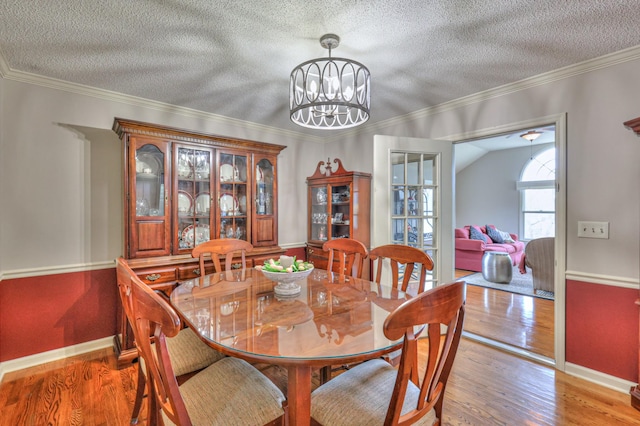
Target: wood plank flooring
(486, 387)
(524, 322)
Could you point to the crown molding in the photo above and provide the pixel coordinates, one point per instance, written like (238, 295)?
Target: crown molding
(65, 86)
(626, 55)
(622, 56)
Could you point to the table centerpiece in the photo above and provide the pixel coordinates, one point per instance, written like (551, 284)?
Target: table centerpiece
(286, 271)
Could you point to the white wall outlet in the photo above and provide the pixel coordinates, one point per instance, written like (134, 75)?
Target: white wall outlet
(593, 230)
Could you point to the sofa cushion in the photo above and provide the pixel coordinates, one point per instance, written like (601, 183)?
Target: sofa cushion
(472, 245)
(517, 245)
(462, 233)
(495, 236)
(476, 234)
(503, 248)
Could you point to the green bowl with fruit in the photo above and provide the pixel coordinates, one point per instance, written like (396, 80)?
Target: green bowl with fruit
(285, 270)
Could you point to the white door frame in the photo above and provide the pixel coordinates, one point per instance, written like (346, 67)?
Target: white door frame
(560, 122)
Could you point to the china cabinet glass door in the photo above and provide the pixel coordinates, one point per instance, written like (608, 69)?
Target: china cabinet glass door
(149, 233)
(265, 224)
(149, 181)
(320, 214)
(193, 196)
(340, 211)
(233, 175)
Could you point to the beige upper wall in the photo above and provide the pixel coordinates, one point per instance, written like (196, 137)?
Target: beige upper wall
(62, 176)
(59, 203)
(603, 168)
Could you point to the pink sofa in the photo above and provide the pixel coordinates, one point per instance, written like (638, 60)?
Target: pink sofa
(469, 252)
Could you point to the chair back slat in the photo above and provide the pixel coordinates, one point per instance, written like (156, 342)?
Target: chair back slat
(398, 255)
(224, 247)
(154, 316)
(350, 255)
(440, 306)
(123, 278)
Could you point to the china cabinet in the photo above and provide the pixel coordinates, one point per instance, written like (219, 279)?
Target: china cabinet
(339, 204)
(183, 188)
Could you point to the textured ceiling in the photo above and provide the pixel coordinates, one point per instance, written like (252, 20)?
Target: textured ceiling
(233, 58)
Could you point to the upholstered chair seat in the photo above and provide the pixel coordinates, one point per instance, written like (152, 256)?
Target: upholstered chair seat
(362, 396)
(376, 393)
(230, 392)
(188, 353)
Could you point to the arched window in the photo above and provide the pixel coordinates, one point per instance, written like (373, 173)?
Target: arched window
(538, 195)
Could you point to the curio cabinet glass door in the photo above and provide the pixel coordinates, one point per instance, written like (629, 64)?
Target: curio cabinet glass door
(233, 193)
(265, 227)
(148, 224)
(192, 199)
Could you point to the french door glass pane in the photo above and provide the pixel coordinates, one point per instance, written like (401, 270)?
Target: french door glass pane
(397, 168)
(413, 206)
(413, 169)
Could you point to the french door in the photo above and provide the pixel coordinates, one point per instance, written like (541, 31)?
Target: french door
(412, 201)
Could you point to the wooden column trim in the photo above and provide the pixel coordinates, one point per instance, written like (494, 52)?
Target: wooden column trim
(635, 391)
(634, 125)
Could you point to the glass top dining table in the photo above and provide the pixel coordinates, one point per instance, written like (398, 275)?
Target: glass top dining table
(334, 320)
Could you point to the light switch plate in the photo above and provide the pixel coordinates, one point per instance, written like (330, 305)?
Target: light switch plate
(593, 230)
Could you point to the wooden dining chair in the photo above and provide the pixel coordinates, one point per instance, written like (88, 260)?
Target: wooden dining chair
(226, 247)
(403, 261)
(350, 255)
(374, 392)
(230, 391)
(188, 353)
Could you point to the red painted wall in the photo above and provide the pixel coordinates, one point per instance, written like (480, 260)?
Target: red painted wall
(602, 328)
(39, 314)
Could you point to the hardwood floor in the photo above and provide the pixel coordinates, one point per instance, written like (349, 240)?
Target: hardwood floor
(86, 389)
(524, 322)
(486, 387)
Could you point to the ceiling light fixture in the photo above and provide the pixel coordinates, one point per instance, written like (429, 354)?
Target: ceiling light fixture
(329, 93)
(531, 135)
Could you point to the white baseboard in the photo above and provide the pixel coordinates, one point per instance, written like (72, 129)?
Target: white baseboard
(54, 355)
(599, 378)
(593, 376)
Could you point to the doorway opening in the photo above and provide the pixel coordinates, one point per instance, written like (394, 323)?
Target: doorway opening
(526, 324)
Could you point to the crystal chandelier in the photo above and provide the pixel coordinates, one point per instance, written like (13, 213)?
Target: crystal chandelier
(329, 93)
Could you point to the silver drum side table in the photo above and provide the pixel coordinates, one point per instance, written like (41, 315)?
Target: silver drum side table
(497, 267)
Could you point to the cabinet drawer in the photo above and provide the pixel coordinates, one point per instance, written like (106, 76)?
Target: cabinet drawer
(157, 275)
(318, 257)
(193, 271)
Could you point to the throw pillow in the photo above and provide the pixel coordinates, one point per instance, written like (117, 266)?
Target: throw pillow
(495, 236)
(476, 234)
(506, 236)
